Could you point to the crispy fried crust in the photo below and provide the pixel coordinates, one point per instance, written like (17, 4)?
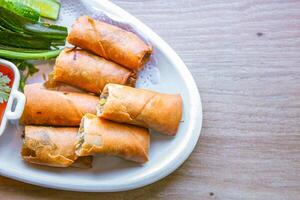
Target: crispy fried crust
(161, 112)
(110, 42)
(63, 87)
(52, 147)
(110, 138)
(89, 72)
(49, 107)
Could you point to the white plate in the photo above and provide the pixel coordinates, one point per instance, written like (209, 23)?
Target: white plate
(165, 73)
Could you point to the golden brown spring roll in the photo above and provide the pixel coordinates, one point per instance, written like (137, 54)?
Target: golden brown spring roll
(89, 72)
(161, 112)
(110, 42)
(52, 147)
(100, 136)
(55, 108)
(63, 87)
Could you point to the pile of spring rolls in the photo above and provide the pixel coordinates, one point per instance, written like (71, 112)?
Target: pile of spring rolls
(66, 127)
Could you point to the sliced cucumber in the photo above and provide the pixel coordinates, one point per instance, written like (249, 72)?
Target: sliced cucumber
(46, 30)
(16, 23)
(47, 8)
(19, 8)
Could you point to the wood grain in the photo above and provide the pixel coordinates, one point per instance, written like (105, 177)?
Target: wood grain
(244, 56)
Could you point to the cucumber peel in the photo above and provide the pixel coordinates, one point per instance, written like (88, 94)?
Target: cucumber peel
(19, 8)
(10, 20)
(47, 8)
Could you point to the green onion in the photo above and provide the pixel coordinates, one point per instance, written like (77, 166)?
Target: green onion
(8, 54)
(22, 40)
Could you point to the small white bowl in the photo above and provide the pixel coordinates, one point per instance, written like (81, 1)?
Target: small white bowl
(15, 95)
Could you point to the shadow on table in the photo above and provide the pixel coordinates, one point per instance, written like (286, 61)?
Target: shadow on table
(17, 190)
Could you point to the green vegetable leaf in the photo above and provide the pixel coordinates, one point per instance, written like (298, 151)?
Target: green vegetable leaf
(26, 70)
(4, 88)
(32, 69)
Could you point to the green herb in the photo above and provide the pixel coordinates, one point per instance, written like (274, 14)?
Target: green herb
(4, 88)
(26, 70)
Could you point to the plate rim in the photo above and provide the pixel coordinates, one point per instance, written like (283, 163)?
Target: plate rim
(173, 164)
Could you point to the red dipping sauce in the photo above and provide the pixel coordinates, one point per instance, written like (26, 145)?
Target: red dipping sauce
(6, 79)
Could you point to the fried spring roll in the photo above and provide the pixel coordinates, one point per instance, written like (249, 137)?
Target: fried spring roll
(63, 87)
(55, 108)
(100, 136)
(52, 147)
(161, 112)
(89, 72)
(110, 42)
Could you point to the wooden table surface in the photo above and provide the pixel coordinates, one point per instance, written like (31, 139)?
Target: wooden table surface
(245, 58)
